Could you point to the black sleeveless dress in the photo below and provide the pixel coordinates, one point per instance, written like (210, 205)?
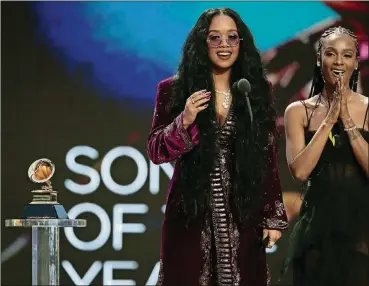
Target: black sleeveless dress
(330, 241)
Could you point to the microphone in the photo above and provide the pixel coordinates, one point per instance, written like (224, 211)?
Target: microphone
(244, 88)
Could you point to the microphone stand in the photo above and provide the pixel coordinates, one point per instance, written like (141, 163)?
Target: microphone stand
(248, 105)
(251, 117)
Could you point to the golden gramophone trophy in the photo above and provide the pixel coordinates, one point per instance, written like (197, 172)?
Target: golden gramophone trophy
(44, 203)
(45, 216)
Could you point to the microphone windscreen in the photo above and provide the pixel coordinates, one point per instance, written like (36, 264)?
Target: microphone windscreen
(244, 86)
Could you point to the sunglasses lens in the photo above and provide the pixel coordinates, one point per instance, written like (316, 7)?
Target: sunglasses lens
(215, 41)
(233, 40)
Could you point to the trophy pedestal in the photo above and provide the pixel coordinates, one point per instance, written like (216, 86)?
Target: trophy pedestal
(45, 246)
(51, 211)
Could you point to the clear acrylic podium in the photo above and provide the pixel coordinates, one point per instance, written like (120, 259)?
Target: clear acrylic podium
(45, 246)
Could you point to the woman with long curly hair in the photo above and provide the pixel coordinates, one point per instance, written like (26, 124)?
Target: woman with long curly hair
(225, 193)
(327, 138)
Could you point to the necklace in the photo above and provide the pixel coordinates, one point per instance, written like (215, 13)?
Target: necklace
(226, 97)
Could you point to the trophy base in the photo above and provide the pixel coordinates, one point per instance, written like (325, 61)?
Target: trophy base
(56, 211)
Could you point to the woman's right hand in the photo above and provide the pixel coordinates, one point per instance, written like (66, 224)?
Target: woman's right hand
(335, 108)
(194, 104)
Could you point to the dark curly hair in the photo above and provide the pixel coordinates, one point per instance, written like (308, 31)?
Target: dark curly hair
(251, 158)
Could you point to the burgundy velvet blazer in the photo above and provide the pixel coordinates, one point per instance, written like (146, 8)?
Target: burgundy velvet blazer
(181, 247)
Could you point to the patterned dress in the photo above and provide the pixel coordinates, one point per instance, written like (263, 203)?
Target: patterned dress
(222, 231)
(214, 251)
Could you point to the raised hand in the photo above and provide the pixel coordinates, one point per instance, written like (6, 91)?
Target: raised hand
(195, 103)
(344, 113)
(335, 107)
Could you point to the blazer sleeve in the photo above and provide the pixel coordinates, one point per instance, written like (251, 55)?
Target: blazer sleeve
(274, 212)
(168, 139)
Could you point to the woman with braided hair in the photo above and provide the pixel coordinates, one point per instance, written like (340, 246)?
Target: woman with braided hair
(327, 148)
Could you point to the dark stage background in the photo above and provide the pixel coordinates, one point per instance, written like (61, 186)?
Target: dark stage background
(78, 87)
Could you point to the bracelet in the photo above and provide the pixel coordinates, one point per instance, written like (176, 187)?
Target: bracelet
(350, 128)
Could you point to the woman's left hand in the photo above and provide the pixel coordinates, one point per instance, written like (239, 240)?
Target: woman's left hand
(273, 235)
(343, 95)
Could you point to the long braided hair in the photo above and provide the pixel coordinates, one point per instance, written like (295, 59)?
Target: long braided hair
(318, 81)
